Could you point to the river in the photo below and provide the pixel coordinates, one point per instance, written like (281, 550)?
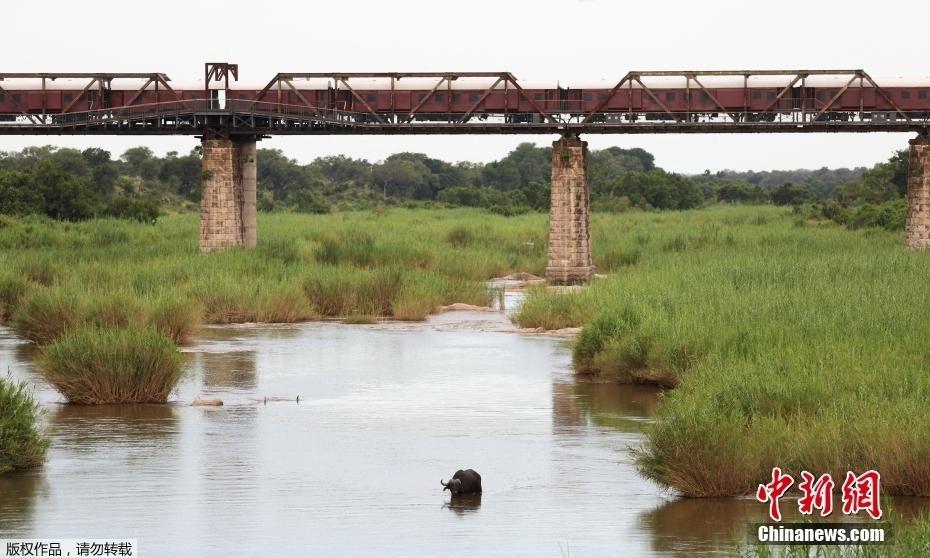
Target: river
(353, 468)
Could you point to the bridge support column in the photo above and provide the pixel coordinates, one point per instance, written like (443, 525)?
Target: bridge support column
(228, 194)
(569, 217)
(917, 223)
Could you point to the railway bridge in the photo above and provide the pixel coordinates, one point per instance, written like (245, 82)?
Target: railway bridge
(230, 117)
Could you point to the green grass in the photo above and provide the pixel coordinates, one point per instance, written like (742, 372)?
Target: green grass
(394, 263)
(22, 442)
(789, 343)
(94, 366)
(77, 283)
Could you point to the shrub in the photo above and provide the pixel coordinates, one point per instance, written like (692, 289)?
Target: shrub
(460, 237)
(309, 201)
(22, 443)
(615, 259)
(176, 317)
(47, 313)
(12, 290)
(415, 301)
(112, 365)
(143, 210)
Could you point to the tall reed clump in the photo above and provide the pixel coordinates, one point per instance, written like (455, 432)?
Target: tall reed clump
(12, 290)
(46, 313)
(22, 442)
(94, 365)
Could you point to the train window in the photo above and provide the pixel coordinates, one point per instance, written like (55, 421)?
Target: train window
(456, 97)
(66, 97)
(473, 97)
(922, 94)
(440, 97)
(17, 97)
(821, 95)
(771, 95)
(371, 97)
(538, 96)
(2, 97)
(905, 94)
(669, 95)
(588, 96)
(602, 96)
(756, 95)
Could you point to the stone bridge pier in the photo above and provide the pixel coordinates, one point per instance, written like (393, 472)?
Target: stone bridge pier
(228, 194)
(569, 214)
(917, 222)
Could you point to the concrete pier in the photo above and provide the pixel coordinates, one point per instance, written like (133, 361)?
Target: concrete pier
(228, 195)
(917, 222)
(569, 216)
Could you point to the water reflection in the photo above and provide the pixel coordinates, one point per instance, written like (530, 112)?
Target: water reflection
(683, 526)
(464, 503)
(19, 492)
(623, 407)
(84, 428)
(26, 353)
(235, 370)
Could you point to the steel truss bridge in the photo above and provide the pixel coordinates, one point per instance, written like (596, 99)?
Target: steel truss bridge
(282, 108)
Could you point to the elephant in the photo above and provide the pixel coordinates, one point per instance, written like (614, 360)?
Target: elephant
(463, 482)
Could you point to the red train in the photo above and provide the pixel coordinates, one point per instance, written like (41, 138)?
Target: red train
(673, 98)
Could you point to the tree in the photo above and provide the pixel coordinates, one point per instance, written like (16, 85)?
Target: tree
(279, 174)
(734, 192)
(311, 202)
(141, 162)
(103, 170)
(400, 176)
(182, 174)
(790, 194)
(65, 196)
(18, 194)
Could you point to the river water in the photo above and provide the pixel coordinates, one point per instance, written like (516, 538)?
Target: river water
(353, 468)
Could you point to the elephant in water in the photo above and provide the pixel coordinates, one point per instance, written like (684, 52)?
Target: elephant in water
(463, 482)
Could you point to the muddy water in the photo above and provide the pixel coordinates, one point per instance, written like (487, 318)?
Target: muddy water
(353, 469)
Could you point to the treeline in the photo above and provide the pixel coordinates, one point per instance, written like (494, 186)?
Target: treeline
(74, 185)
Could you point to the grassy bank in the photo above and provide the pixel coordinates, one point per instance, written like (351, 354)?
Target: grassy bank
(22, 443)
(789, 343)
(398, 263)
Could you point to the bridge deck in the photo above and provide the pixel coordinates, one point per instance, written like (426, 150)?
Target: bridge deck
(171, 119)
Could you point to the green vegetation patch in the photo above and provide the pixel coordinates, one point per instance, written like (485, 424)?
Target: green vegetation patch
(22, 442)
(112, 365)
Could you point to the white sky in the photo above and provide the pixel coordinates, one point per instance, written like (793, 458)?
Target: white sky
(565, 40)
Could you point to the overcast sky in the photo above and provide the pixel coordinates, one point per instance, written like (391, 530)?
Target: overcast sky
(565, 40)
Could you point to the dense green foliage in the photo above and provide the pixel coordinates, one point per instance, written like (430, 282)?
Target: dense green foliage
(76, 185)
(791, 342)
(22, 443)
